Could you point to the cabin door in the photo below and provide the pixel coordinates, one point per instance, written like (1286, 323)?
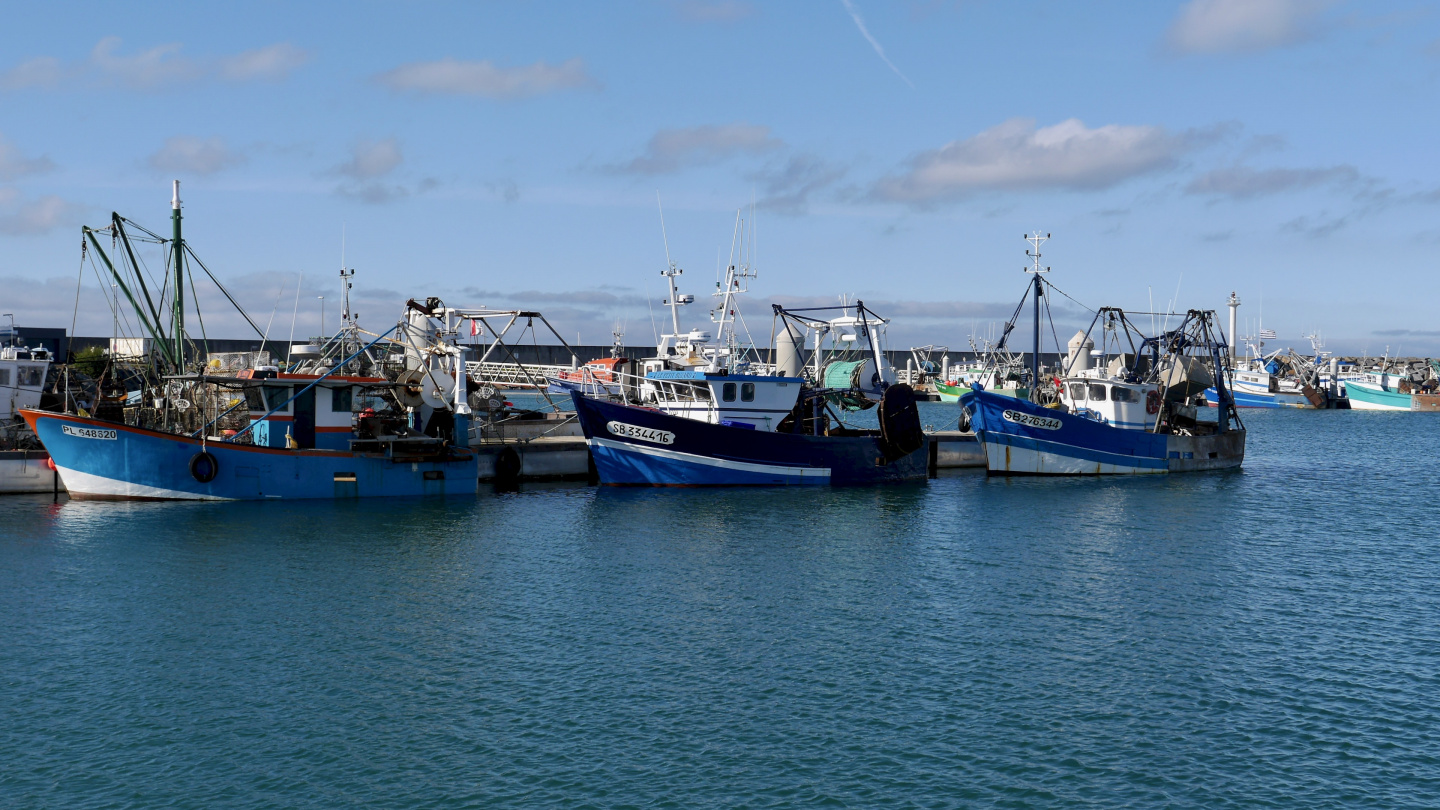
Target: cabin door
(304, 424)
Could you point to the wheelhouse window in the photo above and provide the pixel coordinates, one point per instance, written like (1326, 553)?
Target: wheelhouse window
(728, 392)
(275, 396)
(341, 399)
(29, 375)
(1077, 391)
(1122, 394)
(1097, 392)
(4, 376)
(747, 392)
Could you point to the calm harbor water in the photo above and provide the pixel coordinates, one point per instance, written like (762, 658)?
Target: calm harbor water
(1264, 637)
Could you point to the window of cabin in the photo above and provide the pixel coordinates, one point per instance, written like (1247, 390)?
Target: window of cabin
(29, 375)
(728, 392)
(254, 401)
(1077, 391)
(4, 376)
(747, 392)
(1097, 392)
(275, 396)
(1120, 394)
(341, 399)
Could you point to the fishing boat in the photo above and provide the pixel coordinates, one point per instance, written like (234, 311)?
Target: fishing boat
(24, 466)
(691, 420)
(599, 377)
(1407, 390)
(1133, 412)
(960, 385)
(327, 431)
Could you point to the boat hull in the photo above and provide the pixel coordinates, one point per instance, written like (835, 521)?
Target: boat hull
(108, 461)
(1370, 397)
(1022, 438)
(953, 393)
(635, 446)
(1250, 399)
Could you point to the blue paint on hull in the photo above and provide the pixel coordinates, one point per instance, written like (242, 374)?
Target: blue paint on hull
(694, 453)
(1022, 438)
(106, 460)
(1245, 399)
(1073, 444)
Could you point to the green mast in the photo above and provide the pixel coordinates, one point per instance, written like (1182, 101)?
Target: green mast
(177, 247)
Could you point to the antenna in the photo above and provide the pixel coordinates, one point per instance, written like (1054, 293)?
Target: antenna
(671, 271)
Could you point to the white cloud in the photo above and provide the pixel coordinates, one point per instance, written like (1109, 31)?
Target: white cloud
(22, 217)
(15, 165)
(270, 63)
(1242, 182)
(371, 159)
(671, 150)
(1239, 26)
(488, 80)
(160, 66)
(1017, 156)
(191, 155)
(42, 71)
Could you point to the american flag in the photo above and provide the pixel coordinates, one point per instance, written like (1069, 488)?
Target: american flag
(1268, 334)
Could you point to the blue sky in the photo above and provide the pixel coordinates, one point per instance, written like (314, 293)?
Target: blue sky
(511, 154)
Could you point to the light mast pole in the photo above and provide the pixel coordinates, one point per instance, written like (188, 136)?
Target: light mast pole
(177, 247)
(1233, 303)
(1037, 240)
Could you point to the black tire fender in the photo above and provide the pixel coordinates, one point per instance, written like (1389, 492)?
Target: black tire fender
(204, 467)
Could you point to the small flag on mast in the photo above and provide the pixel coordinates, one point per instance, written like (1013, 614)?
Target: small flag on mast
(1268, 334)
(474, 327)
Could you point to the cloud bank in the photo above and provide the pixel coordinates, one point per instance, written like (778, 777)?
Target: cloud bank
(1244, 26)
(154, 68)
(488, 80)
(671, 150)
(1016, 155)
(191, 155)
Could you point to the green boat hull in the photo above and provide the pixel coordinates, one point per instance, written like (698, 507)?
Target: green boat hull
(952, 393)
(1370, 397)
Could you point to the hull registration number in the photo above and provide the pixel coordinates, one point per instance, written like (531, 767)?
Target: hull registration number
(1032, 421)
(88, 433)
(643, 434)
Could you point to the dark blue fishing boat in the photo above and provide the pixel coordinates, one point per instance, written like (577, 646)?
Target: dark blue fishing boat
(715, 428)
(1133, 412)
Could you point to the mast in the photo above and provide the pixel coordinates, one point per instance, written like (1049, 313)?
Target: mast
(177, 248)
(1037, 240)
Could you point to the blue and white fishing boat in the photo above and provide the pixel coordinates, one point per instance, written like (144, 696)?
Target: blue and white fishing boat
(323, 434)
(701, 425)
(1132, 413)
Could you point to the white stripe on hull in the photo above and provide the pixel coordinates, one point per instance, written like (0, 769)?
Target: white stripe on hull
(744, 466)
(1010, 459)
(84, 486)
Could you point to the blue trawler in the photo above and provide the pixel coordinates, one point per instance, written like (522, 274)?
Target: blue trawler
(1133, 412)
(687, 423)
(326, 430)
